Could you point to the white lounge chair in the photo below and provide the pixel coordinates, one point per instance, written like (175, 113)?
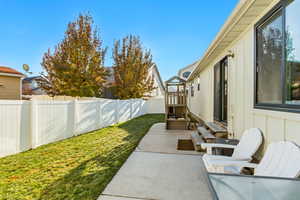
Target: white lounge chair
(282, 159)
(246, 148)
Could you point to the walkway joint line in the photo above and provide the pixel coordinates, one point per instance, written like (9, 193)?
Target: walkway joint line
(189, 154)
(110, 195)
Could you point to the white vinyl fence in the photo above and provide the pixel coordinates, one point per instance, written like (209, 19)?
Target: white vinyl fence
(29, 124)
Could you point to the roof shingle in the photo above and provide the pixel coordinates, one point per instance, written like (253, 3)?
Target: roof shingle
(9, 70)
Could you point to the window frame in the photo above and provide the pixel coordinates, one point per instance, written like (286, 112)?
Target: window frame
(270, 106)
(219, 88)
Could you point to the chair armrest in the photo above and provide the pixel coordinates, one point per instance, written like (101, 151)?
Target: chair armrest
(216, 145)
(242, 159)
(209, 146)
(225, 163)
(250, 165)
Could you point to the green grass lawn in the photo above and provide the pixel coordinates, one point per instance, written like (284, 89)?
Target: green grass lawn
(75, 168)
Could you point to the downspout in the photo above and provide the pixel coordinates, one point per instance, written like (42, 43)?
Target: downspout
(230, 94)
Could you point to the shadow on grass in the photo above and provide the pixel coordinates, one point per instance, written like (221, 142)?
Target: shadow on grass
(88, 180)
(82, 183)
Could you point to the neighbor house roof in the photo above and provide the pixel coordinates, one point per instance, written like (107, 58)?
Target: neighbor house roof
(190, 67)
(29, 79)
(111, 79)
(159, 77)
(9, 71)
(242, 16)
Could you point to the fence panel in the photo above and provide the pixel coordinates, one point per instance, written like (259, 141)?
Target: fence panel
(14, 127)
(24, 122)
(124, 110)
(29, 124)
(143, 107)
(156, 106)
(55, 121)
(87, 116)
(109, 115)
(136, 106)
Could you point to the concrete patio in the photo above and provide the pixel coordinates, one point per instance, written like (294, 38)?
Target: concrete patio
(156, 170)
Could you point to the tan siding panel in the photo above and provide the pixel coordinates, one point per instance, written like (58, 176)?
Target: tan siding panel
(275, 128)
(10, 87)
(292, 131)
(248, 79)
(260, 121)
(239, 92)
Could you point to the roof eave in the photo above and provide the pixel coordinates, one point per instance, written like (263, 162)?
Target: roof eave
(241, 17)
(12, 75)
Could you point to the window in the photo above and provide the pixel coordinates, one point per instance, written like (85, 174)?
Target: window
(220, 90)
(269, 57)
(292, 59)
(186, 74)
(34, 84)
(278, 58)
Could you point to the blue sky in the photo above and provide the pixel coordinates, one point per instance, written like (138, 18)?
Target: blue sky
(177, 32)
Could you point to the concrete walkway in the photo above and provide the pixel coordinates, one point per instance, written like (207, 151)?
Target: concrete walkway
(157, 171)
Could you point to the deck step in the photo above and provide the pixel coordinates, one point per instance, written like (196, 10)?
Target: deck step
(176, 124)
(197, 140)
(215, 128)
(206, 135)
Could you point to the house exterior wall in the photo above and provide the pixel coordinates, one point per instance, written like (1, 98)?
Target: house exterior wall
(30, 87)
(10, 87)
(158, 91)
(110, 88)
(202, 97)
(159, 88)
(275, 125)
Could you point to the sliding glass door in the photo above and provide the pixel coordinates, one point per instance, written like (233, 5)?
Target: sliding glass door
(221, 90)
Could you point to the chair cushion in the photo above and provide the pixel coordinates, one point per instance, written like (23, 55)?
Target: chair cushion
(249, 144)
(282, 159)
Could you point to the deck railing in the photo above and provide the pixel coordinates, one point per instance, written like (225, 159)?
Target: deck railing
(176, 98)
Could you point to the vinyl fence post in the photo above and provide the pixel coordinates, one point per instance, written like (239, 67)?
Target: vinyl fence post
(131, 102)
(74, 120)
(141, 107)
(144, 107)
(99, 115)
(102, 104)
(147, 106)
(117, 111)
(34, 124)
